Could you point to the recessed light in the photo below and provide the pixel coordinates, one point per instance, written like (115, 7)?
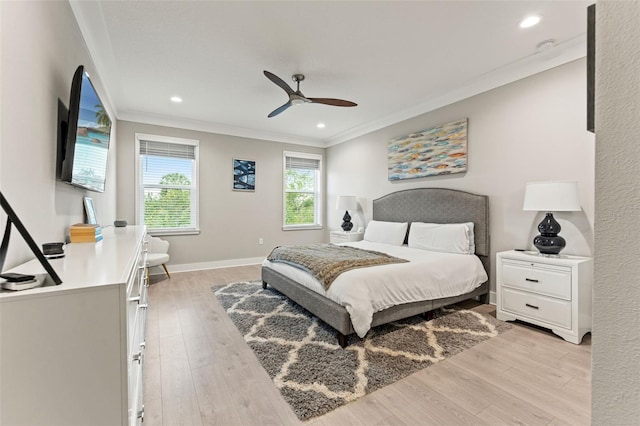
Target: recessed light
(321, 125)
(176, 99)
(530, 21)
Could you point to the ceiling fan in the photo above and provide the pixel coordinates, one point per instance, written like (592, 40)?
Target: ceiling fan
(296, 97)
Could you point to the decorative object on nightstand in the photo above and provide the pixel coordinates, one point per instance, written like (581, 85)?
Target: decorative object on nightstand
(346, 203)
(551, 197)
(551, 292)
(337, 237)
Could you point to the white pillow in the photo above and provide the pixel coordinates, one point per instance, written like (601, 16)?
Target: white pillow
(448, 237)
(386, 232)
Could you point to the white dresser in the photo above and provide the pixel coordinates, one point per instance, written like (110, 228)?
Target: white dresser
(73, 354)
(554, 293)
(337, 237)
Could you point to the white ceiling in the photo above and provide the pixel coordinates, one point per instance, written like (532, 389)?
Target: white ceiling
(395, 59)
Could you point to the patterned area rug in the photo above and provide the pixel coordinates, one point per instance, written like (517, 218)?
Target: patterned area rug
(314, 374)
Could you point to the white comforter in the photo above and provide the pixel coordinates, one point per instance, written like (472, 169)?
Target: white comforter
(428, 275)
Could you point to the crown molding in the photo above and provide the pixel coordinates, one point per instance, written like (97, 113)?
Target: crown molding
(209, 127)
(97, 40)
(563, 53)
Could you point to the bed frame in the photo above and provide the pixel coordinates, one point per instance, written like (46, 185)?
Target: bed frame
(435, 205)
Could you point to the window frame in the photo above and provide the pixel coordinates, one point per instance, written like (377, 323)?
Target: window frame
(139, 184)
(318, 192)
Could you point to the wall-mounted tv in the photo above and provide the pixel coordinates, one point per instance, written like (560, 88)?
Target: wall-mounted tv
(86, 142)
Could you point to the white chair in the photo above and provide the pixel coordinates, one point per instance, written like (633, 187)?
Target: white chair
(157, 254)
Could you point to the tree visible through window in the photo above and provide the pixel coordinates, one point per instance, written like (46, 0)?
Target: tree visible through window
(302, 178)
(167, 190)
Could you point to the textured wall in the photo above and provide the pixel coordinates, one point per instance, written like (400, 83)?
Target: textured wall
(41, 47)
(231, 222)
(616, 335)
(531, 130)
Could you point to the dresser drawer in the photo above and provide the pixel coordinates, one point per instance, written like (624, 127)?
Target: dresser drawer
(549, 280)
(136, 382)
(545, 309)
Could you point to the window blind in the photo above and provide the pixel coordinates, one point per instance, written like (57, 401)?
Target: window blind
(302, 163)
(166, 149)
(167, 191)
(302, 190)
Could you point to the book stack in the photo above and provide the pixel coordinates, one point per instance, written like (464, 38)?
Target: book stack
(85, 233)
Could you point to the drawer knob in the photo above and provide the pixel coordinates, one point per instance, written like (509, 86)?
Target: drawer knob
(138, 357)
(134, 299)
(531, 280)
(531, 306)
(143, 306)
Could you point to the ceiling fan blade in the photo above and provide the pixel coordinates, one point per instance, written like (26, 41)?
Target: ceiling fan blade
(334, 102)
(277, 80)
(279, 109)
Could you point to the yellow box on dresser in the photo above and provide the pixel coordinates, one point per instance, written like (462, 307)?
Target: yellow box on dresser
(85, 233)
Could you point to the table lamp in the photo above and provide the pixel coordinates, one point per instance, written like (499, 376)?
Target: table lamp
(346, 203)
(551, 197)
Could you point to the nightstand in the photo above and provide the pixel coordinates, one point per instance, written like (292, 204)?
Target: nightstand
(345, 237)
(552, 292)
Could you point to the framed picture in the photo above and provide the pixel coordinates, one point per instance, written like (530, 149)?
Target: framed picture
(244, 175)
(90, 211)
(438, 150)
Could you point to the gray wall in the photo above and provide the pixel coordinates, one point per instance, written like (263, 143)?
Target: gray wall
(41, 47)
(231, 222)
(530, 130)
(616, 308)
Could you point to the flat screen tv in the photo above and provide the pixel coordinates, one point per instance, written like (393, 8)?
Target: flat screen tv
(86, 142)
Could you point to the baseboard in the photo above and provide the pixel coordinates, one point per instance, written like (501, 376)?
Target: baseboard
(492, 297)
(186, 267)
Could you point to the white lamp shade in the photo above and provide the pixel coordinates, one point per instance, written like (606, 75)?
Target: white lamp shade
(346, 202)
(552, 197)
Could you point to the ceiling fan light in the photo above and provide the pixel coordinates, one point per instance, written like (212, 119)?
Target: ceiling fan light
(321, 125)
(176, 99)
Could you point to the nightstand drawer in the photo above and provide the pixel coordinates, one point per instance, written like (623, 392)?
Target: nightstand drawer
(545, 309)
(337, 237)
(549, 280)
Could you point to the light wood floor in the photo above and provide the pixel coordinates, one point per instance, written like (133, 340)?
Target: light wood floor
(199, 371)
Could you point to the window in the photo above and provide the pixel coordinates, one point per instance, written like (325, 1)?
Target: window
(167, 184)
(302, 191)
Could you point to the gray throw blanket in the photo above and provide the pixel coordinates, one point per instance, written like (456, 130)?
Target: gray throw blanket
(326, 261)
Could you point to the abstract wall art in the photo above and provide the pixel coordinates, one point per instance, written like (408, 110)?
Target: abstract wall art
(244, 175)
(437, 150)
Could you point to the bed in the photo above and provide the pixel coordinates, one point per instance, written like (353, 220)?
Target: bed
(430, 205)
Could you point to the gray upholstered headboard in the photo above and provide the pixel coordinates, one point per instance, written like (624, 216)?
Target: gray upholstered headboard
(438, 205)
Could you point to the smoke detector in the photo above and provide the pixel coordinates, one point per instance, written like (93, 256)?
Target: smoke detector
(543, 46)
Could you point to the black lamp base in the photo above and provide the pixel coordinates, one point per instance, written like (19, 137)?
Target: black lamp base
(548, 242)
(346, 222)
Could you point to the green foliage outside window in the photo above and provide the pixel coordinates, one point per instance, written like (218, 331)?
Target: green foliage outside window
(300, 197)
(169, 207)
